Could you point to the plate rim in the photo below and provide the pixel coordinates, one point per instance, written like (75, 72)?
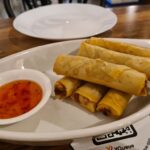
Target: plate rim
(15, 21)
(77, 133)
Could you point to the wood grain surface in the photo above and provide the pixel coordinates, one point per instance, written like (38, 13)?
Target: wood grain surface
(133, 22)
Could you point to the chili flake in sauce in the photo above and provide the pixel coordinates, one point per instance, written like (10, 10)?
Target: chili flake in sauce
(18, 97)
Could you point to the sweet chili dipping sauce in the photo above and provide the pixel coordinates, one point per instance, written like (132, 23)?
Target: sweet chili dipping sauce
(18, 97)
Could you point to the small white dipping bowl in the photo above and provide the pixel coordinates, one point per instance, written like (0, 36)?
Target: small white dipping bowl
(27, 74)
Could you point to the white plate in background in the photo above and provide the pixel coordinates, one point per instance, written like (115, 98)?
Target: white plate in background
(64, 120)
(65, 21)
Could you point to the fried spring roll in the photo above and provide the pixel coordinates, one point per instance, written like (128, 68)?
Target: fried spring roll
(114, 103)
(101, 72)
(120, 46)
(88, 95)
(141, 64)
(65, 87)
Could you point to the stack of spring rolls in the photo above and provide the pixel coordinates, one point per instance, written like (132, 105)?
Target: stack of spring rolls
(103, 75)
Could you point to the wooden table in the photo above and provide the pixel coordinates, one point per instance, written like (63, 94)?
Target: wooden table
(133, 22)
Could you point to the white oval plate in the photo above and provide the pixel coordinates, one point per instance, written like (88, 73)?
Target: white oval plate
(65, 21)
(62, 120)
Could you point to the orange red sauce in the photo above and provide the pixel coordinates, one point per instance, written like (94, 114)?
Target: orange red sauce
(18, 97)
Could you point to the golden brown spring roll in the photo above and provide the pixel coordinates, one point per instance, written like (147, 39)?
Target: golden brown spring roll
(101, 72)
(141, 64)
(120, 46)
(114, 103)
(65, 87)
(88, 95)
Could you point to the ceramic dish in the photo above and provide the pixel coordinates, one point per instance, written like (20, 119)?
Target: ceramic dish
(30, 75)
(65, 21)
(64, 120)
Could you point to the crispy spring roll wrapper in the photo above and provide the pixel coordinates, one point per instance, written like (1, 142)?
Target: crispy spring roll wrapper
(141, 64)
(114, 103)
(88, 95)
(66, 86)
(120, 46)
(101, 72)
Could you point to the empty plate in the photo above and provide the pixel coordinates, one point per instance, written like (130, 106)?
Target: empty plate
(65, 21)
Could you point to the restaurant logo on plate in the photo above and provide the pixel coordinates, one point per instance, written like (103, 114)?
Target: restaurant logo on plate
(123, 133)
